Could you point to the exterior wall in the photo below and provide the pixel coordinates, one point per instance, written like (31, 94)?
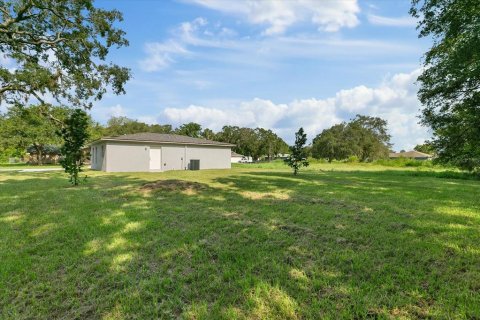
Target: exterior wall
(173, 157)
(211, 157)
(135, 157)
(97, 156)
(127, 157)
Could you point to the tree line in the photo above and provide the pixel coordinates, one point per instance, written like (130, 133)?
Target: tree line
(25, 129)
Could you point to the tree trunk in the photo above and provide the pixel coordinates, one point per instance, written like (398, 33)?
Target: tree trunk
(40, 155)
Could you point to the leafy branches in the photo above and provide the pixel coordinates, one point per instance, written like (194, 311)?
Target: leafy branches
(450, 82)
(75, 135)
(59, 49)
(363, 137)
(298, 154)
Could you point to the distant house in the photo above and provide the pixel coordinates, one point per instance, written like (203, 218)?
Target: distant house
(238, 158)
(411, 155)
(143, 152)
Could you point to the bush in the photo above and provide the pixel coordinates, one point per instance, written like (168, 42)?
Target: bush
(352, 159)
(314, 160)
(404, 162)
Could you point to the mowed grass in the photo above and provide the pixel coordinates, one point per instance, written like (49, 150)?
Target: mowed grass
(337, 241)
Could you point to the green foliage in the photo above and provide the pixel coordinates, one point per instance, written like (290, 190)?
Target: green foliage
(254, 143)
(298, 154)
(59, 49)
(363, 137)
(427, 148)
(450, 81)
(333, 143)
(352, 159)
(75, 135)
(190, 129)
(117, 126)
(27, 126)
(208, 134)
(42, 151)
(404, 162)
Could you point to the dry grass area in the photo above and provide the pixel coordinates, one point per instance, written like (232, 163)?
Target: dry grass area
(248, 243)
(173, 185)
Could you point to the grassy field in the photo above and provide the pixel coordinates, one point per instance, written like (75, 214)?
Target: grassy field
(254, 242)
(21, 166)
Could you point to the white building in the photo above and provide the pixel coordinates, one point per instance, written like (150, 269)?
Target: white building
(143, 152)
(238, 158)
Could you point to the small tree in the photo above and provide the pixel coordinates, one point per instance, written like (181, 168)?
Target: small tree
(74, 134)
(298, 154)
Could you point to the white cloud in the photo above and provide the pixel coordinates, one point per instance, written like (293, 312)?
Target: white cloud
(405, 21)
(117, 111)
(393, 100)
(103, 113)
(161, 55)
(225, 46)
(209, 117)
(148, 119)
(327, 15)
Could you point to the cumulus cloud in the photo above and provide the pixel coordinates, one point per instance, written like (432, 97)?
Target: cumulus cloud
(103, 113)
(327, 15)
(393, 100)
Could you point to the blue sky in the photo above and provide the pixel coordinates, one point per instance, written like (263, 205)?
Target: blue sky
(275, 64)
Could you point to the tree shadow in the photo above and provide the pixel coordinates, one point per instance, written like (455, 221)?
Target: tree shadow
(258, 244)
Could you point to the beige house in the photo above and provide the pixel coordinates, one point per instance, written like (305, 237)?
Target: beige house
(410, 155)
(144, 152)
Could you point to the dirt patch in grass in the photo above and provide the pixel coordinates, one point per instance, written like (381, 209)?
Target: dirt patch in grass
(174, 185)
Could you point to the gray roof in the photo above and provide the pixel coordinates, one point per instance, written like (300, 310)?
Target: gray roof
(409, 154)
(163, 138)
(237, 155)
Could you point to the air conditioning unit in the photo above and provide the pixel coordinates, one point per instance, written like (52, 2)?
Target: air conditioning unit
(194, 164)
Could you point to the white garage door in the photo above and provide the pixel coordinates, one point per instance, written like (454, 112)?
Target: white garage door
(155, 158)
(173, 158)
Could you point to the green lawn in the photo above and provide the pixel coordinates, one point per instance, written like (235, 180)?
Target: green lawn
(254, 242)
(21, 166)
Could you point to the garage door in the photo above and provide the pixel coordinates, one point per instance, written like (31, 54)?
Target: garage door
(173, 158)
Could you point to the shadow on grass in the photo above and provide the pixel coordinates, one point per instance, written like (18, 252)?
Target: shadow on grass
(258, 244)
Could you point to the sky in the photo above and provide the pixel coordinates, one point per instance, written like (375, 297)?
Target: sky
(274, 64)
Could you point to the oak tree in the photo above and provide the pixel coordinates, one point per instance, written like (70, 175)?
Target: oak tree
(450, 80)
(58, 51)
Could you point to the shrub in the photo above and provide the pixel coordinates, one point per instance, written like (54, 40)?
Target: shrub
(352, 159)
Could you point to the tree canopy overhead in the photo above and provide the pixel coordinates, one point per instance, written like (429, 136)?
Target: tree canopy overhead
(59, 49)
(450, 81)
